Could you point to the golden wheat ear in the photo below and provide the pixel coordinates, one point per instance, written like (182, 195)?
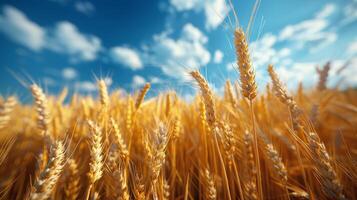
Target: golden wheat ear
(48, 178)
(6, 110)
(141, 96)
(43, 112)
(207, 96)
(246, 71)
(330, 181)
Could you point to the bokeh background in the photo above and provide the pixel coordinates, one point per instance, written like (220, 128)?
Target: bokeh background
(71, 43)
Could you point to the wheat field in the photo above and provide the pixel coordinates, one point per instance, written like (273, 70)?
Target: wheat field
(247, 144)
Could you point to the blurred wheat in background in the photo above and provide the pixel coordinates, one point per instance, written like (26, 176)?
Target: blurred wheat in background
(247, 144)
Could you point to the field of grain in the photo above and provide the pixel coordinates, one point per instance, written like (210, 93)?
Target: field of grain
(247, 144)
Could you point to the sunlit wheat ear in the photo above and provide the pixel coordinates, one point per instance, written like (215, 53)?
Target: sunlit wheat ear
(47, 179)
(330, 182)
(43, 113)
(229, 94)
(166, 190)
(250, 186)
(6, 110)
(103, 93)
(72, 184)
(278, 165)
(285, 98)
(158, 149)
(141, 95)
(123, 150)
(323, 75)
(211, 192)
(247, 74)
(96, 152)
(229, 143)
(207, 95)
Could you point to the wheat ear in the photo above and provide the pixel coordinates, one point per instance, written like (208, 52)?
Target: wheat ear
(103, 93)
(211, 192)
(285, 98)
(123, 150)
(96, 152)
(278, 165)
(247, 74)
(323, 75)
(43, 113)
(72, 186)
(330, 182)
(207, 98)
(6, 110)
(250, 188)
(48, 177)
(141, 95)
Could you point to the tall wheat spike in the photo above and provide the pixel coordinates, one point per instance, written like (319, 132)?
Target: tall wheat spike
(45, 183)
(330, 182)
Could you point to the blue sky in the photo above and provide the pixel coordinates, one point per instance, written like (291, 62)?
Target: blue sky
(70, 43)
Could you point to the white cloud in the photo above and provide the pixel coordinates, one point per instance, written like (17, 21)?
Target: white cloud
(155, 80)
(297, 72)
(65, 38)
(327, 10)
(350, 14)
(177, 57)
(138, 81)
(108, 81)
(69, 73)
(20, 29)
(264, 53)
(231, 66)
(85, 86)
(126, 57)
(218, 56)
(84, 7)
(215, 10)
(352, 48)
(311, 32)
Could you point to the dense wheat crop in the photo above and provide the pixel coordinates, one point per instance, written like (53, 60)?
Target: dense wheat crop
(247, 144)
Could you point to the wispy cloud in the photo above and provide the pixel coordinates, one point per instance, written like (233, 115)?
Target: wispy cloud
(138, 81)
(215, 10)
(127, 57)
(69, 73)
(84, 7)
(21, 30)
(85, 86)
(64, 38)
(67, 39)
(218, 56)
(175, 56)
